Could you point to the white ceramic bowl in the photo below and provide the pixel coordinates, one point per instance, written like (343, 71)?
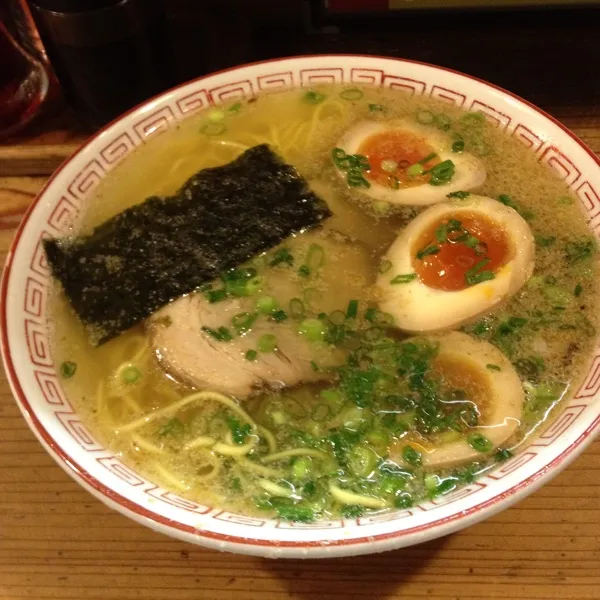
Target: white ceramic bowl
(38, 391)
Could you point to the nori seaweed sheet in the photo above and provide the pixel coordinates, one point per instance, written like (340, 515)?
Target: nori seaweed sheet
(154, 252)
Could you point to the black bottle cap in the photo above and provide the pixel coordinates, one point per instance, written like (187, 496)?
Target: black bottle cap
(73, 6)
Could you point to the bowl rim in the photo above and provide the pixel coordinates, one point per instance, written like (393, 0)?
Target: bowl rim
(155, 520)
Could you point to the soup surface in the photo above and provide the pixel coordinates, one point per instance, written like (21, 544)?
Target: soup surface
(381, 418)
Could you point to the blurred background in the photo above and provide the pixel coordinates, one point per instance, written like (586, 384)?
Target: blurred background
(104, 56)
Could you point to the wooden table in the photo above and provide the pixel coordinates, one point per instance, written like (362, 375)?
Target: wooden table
(57, 541)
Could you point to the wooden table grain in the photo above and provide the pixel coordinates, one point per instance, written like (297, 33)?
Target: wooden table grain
(57, 541)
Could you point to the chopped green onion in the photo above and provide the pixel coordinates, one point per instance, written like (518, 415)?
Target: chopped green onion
(411, 456)
(460, 195)
(415, 170)
(428, 158)
(266, 304)
(428, 251)
(458, 146)
(243, 321)
(216, 295)
(502, 454)
(314, 366)
(304, 271)
(385, 266)
(313, 329)
(351, 94)
(352, 310)
(130, 374)
(362, 461)
(239, 432)
(312, 97)
(442, 173)
(214, 116)
(355, 178)
(282, 256)
(213, 129)
(476, 275)
(425, 117)
(68, 369)
(172, 427)
(279, 316)
(267, 343)
(222, 334)
(405, 278)
(493, 367)
(251, 355)
(352, 511)
(578, 289)
(403, 501)
(565, 200)
(302, 467)
(471, 241)
(479, 442)
(235, 108)
(442, 122)
(315, 257)
(376, 108)
(545, 241)
(297, 308)
(580, 250)
(476, 119)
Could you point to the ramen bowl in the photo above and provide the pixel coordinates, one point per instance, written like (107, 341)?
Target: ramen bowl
(36, 384)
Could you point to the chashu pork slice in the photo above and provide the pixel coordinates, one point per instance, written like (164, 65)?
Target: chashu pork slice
(194, 357)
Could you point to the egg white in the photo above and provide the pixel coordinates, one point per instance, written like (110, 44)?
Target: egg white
(469, 170)
(504, 400)
(417, 307)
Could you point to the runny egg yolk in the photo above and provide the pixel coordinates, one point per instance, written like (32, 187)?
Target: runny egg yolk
(391, 153)
(456, 252)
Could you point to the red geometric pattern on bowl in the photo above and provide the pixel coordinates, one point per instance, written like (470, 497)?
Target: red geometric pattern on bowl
(589, 198)
(384, 517)
(404, 84)
(123, 472)
(559, 425)
(192, 102)
(39, 264)
(228, 517)
(310, 77)
(79, 431)
(495, 117)
(561, 164)
(38, 343)
(591, 384)
(512, 465)
(158, 121)
(449, 96)
(52, 390)
(173, 499)
(367, 76)
(35, 297)
(117, 149)
(238, 90)
(164, 113)
(64, 215)
(275, 81)
(87, 179)
(527, 137)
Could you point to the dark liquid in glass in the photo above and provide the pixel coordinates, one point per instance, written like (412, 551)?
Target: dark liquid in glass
(23, 84)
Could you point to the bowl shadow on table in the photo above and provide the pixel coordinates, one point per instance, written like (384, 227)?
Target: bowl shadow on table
(376, 576)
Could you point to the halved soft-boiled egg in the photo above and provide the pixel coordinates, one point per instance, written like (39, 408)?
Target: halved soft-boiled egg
(404, 163)
(487, 380)
(454, 262)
